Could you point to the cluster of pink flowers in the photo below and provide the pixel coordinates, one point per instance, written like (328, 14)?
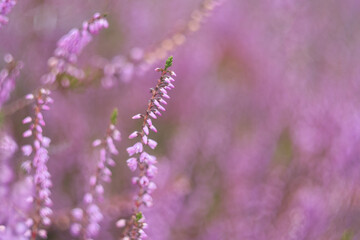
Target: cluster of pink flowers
(38, 165)
(139, 159)
(5, 8)
(87, 218)
(70, 46)
(8, 76)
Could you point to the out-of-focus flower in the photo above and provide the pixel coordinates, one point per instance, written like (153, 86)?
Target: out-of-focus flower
(69, 48)
(8, 76)
(5, 9)
(86, 219)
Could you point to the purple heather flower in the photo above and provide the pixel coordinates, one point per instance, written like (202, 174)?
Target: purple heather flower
(38, 165)
(5, 8)
(133, 135)
(152, 144)
(143, 160)
(8, 76)
(70, 46)
(87, 219)
(137, 116)
(132, 163)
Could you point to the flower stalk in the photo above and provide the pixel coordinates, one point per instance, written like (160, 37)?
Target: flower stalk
(143, 161)
(86, 219)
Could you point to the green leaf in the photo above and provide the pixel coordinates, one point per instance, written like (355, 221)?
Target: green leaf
(169, 62)
(114, 116)
(138, 216)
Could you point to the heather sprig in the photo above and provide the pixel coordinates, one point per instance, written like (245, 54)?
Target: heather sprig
(86, 219)
(69, 48)
(37, 166)
(8, 76)
(139, 159)
(5, 8)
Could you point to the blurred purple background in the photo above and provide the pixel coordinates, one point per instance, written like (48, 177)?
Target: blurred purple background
(261, 136)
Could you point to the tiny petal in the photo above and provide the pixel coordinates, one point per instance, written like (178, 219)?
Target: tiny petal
(46, 221)
(151, 159)
(161, 108)
(147, 199)
(45, 107)
(116, 135)
(145, 139)
(111, 146)
(151, 114)
(92, 180)
(137, 116)
(27, 150)
(75, 229)
(152, 127)
(152, 171)
(42, 233)
(99, 189)
(45, 212)
(27, 233)
(26, 166)
(132, 163)
(152, 144)
(133, 135)
(146, 130)
(46, 141)
(111, 162)
(134, 180)
(121, 223)
(131, 151)
(157, 112)
(29, 96)
(149, 122)
(36, 144)
(163, 101)
(143, 156)
(137, 148)
(163, 90)
(96, 143)
(151, 187)
(143, 235)
(144, 181)
(29, 222)
(27, 120)
(156, 103)
(88, 198)
(27, 133)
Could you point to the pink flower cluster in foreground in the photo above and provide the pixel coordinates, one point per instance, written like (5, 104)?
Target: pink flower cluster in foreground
(140, 159)
(38, 165)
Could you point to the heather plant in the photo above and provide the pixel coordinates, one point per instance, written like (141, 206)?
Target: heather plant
(260, 139)
(87, 218)
(5, 9)
(135, 225)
